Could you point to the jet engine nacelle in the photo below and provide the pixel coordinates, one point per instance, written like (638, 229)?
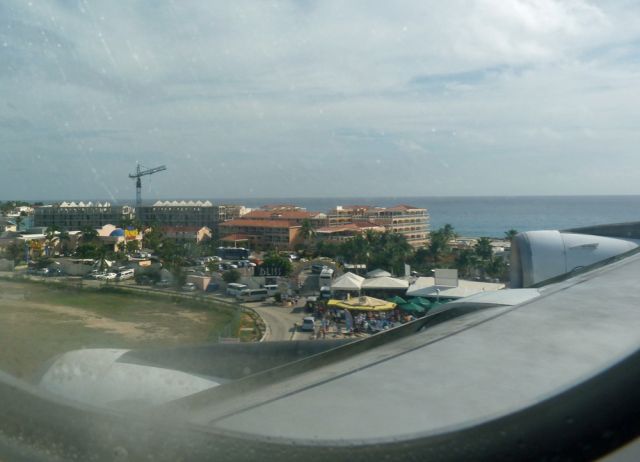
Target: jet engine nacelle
(540, 255)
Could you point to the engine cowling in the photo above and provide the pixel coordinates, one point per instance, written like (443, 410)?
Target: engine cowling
(540, 255)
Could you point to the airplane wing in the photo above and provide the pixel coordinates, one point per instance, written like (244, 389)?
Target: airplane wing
(551, 373)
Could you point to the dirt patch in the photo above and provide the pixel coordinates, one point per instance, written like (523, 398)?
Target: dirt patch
(132, 330)
(193, 316)
(39, 321)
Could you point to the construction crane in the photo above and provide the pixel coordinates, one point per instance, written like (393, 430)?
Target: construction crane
(140, 172)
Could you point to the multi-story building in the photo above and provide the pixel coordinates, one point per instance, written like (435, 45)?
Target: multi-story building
(184, 234)
(411, 222)
(344, 232)
(75, 216)
(296, 217)
(178, 213)
(260, 233)
(342, 215)
(189, 213)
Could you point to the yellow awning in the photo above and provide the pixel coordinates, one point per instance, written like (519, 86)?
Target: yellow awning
(362, 304)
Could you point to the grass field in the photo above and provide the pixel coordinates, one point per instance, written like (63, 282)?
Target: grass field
(39, 321)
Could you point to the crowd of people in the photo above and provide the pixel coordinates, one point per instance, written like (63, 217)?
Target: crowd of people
(337, 322)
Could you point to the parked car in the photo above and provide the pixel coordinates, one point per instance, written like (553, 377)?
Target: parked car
(106, 276)
(55, 272)
(93, 274)
(163, 283)
(317, 268)
(308, 324)
(189, 287)
(213, 287)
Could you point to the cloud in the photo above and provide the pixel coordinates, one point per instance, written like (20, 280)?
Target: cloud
(314, 98)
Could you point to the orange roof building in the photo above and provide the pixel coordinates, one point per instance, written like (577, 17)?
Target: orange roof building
(262, 233)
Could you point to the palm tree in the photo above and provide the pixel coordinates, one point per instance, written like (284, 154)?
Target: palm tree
(511, 234)
(307, 231)
(50, 238)
(64, 239)
(101, 254)
(439, 243)
(438, 246)
(397, 252)
(466, 261)
(483, 248)
(89, 234)
(449, 232)
(496, 267)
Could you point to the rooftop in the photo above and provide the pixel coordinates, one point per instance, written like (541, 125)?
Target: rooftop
(84, 204)
(243, 222)
(183, 204)
(182, 229)
(281, 214)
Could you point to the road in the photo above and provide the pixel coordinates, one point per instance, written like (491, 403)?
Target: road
(281, 321)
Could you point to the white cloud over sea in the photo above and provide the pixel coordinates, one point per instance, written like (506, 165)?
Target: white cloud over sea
(319, 98)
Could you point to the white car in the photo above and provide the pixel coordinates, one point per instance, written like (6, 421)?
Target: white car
(189, 287)
(308, 324)
(106, 276)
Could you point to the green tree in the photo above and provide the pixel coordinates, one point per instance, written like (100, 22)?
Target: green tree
(43, 262)
(50, 239)
(449, 232)
(19, 221)
(510, 235)
(169, 250)
(389, 251)
(87, 250)
(64, 239)
(132, 246)
(231, 276)
(496, 268)
(483, 249)
(326, 249)
(277, 265)
(307, 231)
(14, 251)
(122, 247)
(357, 249)
(153, 238)
(466, 261)
(102, 254)
(438, 246)
(89, 234)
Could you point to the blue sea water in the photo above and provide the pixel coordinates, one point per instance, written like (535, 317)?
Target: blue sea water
(491, 216)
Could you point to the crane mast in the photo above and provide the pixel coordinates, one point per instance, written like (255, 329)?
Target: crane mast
(140, 172)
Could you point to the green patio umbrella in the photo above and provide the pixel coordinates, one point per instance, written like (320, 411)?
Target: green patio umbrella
(421, 301)
(397, 300)
(412, 308)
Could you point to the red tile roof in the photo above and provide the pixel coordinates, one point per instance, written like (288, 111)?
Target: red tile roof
(367, 224)
(356, 226)
(280, 214)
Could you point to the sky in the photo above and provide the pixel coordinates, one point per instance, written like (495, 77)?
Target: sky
(319, 98)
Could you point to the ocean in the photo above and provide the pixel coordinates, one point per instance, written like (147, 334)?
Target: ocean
(490, 216)
(475, 216)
